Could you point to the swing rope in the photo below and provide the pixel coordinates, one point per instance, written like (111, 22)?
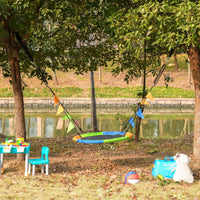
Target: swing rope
(44, 79)
(156, 80)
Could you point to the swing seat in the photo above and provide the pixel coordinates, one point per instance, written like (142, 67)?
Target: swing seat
(102, 137)
(44, 160)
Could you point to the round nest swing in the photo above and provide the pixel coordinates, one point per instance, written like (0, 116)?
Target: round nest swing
(102, 137)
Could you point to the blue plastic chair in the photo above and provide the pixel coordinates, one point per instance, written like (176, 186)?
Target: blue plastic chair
(40, 161)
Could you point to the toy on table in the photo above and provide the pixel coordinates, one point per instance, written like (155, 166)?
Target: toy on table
(19, 144)
(14, 147)
(8, 145)
(9, 142)
(20, 141)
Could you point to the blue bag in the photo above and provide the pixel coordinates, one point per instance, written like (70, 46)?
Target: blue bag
(165, 168)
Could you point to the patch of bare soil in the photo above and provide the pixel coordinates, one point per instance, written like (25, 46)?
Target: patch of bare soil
(104, 79)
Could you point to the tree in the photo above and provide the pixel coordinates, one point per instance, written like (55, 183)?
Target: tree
(93, 103)
(135, 53)
(24, 18)
(90, 49)
(26, 23)
(55, 47)
(170, 24)
(9, 25)
(175, 60)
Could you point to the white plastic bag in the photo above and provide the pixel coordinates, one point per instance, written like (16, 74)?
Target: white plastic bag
(182, 170)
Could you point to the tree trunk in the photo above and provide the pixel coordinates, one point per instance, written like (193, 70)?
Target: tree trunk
(162, 58)
(194, 57)
(55, 76)
(175, 60)
(137, 129)
(100, 75)
(189, 73)
(93, 100)
(138, 119)
(13, 58)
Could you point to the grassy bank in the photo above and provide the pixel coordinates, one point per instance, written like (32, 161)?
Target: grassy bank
(103, 92)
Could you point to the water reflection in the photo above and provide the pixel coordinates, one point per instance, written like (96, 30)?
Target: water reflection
(166, 127)
(37, 126)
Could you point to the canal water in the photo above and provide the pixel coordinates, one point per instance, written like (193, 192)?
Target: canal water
(49, 125)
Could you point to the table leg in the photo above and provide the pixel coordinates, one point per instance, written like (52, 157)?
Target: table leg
(1, 163)
(26, 163)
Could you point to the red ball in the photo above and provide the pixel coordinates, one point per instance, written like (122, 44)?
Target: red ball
(132, 178)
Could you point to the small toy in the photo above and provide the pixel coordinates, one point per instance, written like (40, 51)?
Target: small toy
(9, 142)
(132, 178)
(182, 170)
(20, 141)
(159, 177)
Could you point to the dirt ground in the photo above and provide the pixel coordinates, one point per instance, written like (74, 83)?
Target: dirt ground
(69, 157)
(105, 79)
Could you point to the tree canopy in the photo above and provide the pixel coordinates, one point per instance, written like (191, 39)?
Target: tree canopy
(164, 25)
(59, 34)
(71, 34)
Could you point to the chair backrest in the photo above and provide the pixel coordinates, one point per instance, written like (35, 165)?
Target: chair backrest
(45, 152)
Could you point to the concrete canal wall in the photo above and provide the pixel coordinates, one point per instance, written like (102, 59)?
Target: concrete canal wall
(104, 105)
(36, 101)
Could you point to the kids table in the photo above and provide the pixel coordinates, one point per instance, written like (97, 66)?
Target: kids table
(14, 148)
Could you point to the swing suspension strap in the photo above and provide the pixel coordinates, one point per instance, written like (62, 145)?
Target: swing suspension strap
(126, 126)
(43, 77)
(67, 113)
(162, 69)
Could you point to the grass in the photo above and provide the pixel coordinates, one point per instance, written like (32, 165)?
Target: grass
(6, 92)
(132, 92)
(109, 92)
(172, 92)
(44, 92)
(93, 187)
(105, 92)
